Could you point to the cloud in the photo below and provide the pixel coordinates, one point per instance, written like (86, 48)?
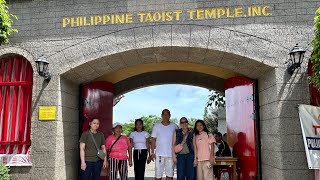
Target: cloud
(182, 100)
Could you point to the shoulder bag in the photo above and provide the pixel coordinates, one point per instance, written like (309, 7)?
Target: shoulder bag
(112, 147)
(178, 148)
(100, 153)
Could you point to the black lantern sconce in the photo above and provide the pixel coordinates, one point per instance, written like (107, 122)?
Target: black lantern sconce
(296, 57)
(42, 68)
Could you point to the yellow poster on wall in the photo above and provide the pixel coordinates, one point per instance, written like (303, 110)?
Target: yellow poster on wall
(47, 113)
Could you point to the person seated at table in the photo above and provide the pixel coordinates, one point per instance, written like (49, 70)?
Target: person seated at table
(223, 151)
(224, 137)
(223, 147)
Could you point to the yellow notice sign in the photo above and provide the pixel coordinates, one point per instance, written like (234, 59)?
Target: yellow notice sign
(47, 112)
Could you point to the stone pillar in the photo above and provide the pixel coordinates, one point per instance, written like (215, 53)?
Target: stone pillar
(282, 149)
(67, 149)
(54, 143)
(43, 133)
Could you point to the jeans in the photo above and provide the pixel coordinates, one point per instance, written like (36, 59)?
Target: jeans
(94, 168)
(185, 169)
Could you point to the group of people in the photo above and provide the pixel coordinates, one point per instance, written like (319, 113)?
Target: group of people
(191, 149)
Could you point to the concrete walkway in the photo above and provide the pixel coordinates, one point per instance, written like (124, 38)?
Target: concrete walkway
(149, 173)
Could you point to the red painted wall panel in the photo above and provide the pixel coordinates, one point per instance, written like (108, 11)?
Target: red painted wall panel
(241, 131)
(98, 102)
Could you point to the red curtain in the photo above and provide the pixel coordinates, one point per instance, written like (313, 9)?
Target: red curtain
(15, 104)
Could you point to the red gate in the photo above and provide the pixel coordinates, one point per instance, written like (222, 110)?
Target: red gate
(241, 125)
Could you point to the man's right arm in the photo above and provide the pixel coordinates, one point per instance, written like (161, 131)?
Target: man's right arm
(153, 143)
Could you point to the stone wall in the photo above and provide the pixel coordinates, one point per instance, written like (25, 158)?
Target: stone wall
(67, 157)
(283, 154)
(256, 47)
(41, 31)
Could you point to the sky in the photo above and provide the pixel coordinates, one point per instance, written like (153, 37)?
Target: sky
(181, 100)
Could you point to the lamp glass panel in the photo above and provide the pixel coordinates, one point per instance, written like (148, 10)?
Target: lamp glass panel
(296, 57)
(41, 64)
(291, 58)
(301, 58)
(45, 66)
(38, 67)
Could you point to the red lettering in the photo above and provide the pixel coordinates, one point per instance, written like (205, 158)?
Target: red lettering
(315, 129)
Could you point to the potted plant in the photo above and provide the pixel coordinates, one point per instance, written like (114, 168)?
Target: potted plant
(4, 172)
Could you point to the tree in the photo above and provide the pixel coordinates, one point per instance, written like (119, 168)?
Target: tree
(210, 117)
(148, 122)
(5, 23)
(215, 102)
(216, 99)
(192, 121)
(315, 58)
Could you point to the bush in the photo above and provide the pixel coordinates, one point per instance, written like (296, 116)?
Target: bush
(315, 78)
(4, 172)
(5, 23)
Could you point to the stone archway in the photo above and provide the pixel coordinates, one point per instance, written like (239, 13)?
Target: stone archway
(220, 47)
(215, 48)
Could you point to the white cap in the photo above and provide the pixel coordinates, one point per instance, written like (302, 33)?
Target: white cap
(116, 124)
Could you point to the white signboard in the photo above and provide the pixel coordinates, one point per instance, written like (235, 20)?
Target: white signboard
(16, 159)
(310, 125)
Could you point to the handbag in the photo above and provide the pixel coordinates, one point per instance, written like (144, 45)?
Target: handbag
(100, 153)
(178, 148)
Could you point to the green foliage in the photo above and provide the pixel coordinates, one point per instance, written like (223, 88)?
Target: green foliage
(215, 102)
(148, 122)
(210, 117)
(315, 78)
(4, 172)
(5, 23)
(192, 121)
(216, 99)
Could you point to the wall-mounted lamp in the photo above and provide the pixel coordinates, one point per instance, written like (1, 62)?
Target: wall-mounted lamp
(296, 57)
(42, 68)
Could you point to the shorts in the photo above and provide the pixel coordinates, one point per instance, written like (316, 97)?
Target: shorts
(164, 164)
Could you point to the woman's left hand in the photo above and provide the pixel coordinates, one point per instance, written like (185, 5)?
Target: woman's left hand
(105, 164)
(130, 163)
(212, 161)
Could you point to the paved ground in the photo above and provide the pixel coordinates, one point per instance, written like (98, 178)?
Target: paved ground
(149, 174)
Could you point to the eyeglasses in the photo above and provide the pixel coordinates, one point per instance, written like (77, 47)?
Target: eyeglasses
(182, 122)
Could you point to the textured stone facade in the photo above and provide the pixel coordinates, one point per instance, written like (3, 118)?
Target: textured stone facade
(255, 46)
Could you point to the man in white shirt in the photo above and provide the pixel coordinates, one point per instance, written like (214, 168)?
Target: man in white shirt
(162, 139)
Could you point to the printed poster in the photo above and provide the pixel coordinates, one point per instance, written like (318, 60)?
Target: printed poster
(310, 125)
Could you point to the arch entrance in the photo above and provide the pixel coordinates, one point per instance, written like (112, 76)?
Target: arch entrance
(128, 59)
(97, 96)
